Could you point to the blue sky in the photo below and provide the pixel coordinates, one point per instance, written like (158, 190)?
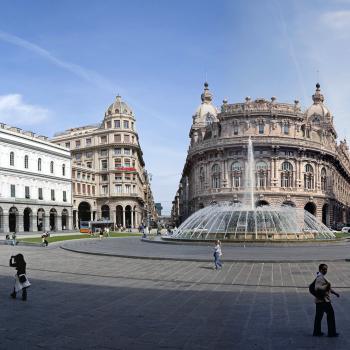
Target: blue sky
(63, 62)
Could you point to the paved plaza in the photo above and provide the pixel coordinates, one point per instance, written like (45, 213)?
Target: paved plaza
(87, 301)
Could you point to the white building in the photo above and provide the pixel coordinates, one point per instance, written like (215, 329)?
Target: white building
(35, 183)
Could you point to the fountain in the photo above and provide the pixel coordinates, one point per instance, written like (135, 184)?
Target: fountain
(244, 221)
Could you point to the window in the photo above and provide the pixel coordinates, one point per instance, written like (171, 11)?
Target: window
(109, 124)
(323, 179)
(118, 177)
(77, 143)
(127, 151)
(26, 192)
(64, 196)
(127, 162)
(201, 178)
(89, 165)
(67, 144)
(78, 188)
(39, 164)
(103, 139)
(236, 174)
(209, 119)
(83, 176)
(261, 129)
(26, 161)
(78, 156)
(51, 167)
(117, 151)
(88, 189)
(125, 124)
(104, 164)
(117, 163)
(215, 171)
(64, 169)
(235, 130)
(127, 177)
(104, 189)
(104, 152)
(40, 193)
(78, 175)
(127, 188)
(309, 177)
(308, 133)
(93, 190)
(12, 158)
(286, 129)
(88, 142)
(117, 138)
(126, 138)
(104, 177)
(52, 195)
(88, 154)
(117, 124)
(13, 191)
(261, 174)
(118, 188)
(132, 139)
(287, 175)
(83, 188)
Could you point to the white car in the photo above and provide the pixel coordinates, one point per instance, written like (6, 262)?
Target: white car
(345, 229)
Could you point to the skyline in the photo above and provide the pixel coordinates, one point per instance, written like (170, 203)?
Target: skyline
(62, 65)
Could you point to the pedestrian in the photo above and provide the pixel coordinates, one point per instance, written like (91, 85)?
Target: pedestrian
(14, 239)
(217, 255)
(44, 241)
(21, 280)
(101, 233)
(323, 291)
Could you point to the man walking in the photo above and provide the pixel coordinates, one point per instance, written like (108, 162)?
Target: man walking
(323, 291)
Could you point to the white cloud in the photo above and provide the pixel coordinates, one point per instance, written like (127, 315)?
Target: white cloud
(337, 20)
(15, 112)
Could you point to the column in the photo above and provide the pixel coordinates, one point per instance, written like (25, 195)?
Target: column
(132, 218)
(46, 223)
(5, 222)
(34, 223)
(69, 222)
(114, 216)
(19, 223)
(91, 215)
(123, 217)
(74, 224)
(58, 223)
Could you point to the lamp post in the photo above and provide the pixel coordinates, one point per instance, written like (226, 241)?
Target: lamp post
(148, 200)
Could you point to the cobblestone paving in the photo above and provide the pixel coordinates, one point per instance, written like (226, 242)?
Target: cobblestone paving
(79, 301)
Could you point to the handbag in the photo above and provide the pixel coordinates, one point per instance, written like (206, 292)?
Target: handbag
(22, 278)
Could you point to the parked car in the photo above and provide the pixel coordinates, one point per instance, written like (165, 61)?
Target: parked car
(345, 229)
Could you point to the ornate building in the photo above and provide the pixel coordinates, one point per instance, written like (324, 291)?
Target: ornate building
(298, 159)
(108, 173)
(35, 183)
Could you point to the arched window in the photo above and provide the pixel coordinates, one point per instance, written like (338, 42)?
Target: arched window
(287, 175)
(215, 173)
(261, 174)
(12, 158)
(26, 161)
(286, 129)
(201, 178)
(64, 169)
(236, 174)
(51, 167)
(39, 164)
(209, 119)
(309, 177)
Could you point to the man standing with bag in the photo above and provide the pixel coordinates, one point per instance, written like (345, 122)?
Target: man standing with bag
(323, 293)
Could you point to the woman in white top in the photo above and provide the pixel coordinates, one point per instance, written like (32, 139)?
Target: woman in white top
(217, 255)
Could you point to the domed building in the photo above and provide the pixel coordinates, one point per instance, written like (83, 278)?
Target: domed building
(298, 161)
(109, 178)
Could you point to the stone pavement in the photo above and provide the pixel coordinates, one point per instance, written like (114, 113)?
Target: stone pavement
(80, 301)
(278, 252)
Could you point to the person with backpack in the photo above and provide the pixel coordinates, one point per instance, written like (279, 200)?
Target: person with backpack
(322, 290)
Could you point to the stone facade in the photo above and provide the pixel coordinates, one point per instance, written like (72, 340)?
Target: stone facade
(108, 170)
(35, 183)
(298, 159)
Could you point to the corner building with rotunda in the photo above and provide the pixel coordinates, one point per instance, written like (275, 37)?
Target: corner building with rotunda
(108, 171)
(298, 161)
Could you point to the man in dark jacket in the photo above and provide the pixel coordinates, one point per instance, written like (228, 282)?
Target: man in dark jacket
(323, 303)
